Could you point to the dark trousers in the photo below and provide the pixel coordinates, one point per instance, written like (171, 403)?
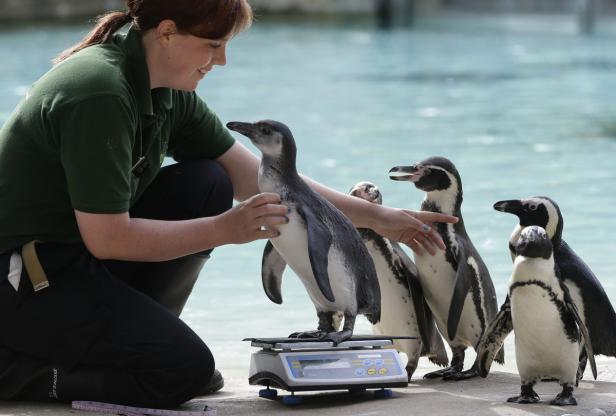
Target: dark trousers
(109, 330)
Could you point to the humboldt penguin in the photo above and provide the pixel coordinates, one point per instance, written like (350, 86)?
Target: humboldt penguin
(404, 310)
(319, 242)
(588, 295)
(549, 331)
(456, 282)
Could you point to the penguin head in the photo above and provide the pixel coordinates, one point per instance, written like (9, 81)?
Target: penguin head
(272, 138)
(368, 191)
(534, 242)
(536, 210)
(432, 174)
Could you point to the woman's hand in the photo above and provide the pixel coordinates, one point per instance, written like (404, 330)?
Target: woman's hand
(253, 219)
(413, 228)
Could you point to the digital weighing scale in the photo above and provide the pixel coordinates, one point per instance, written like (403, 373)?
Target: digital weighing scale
(300, 364)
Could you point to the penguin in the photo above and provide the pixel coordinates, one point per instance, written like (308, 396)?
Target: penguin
(588, 295)
(319, 242)
(404, 310)
(550, 334)
(456, 282)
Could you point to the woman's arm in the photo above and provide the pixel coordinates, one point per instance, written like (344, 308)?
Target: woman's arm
(408, 227)
(120, 237)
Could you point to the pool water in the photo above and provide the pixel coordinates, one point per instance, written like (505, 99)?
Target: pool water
(521, 110)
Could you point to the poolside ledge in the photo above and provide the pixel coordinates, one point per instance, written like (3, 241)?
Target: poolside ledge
(423, 397)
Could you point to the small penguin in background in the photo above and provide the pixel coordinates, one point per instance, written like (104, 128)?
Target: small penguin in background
(404, 310)
(319, 243)
(586, 291)
(456, 282)
(549, 332)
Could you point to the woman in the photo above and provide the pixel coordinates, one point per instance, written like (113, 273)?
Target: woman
(100, 246)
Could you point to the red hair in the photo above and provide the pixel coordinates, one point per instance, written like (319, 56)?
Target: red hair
(212, 19)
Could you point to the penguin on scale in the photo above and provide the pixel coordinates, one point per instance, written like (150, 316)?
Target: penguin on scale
(319, 243)
(456, 283)
(589, 297)
(404, 310)
(550, 334)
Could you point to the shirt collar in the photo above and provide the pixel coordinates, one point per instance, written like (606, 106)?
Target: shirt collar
(138, 75)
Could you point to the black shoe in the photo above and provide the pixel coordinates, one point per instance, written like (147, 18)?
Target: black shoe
(216, 383)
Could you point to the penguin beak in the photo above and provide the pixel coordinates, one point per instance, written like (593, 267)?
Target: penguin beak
(513, 206)
(247, 129)
(405, 173)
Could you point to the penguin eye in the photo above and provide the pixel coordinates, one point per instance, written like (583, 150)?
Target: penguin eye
(265, 130)
(533, 207)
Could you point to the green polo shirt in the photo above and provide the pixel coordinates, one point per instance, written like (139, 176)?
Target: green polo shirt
(72, 141)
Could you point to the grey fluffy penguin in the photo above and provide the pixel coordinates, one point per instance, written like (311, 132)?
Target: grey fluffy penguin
(586, 291)
(549, 332)
(456, 282)
(319, 243)
(404, 310)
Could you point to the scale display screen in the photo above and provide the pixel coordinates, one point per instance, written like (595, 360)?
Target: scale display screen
(350, 365)
(323, 364)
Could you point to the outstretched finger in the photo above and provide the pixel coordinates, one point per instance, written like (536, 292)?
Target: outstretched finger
(416, 247)
(436, 239)
(429, 217)
(426, 243)
(267, 232)
(271, 210)
(264, 198)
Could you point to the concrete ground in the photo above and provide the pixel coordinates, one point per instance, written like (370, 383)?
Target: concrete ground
(422, 397)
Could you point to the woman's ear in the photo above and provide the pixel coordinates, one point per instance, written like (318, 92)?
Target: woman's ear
(165, 29)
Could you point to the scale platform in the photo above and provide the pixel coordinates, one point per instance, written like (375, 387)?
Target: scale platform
(300, 364)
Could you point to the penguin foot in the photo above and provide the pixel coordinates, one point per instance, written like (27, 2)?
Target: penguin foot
(527, 395)
(337, 337)
(565, 397)
(445, 372)
(462, 375)
(524, 398)
(309, 334)
(564, 401)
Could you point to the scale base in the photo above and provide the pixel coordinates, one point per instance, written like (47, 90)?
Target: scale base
(268, 379)
(298, 365)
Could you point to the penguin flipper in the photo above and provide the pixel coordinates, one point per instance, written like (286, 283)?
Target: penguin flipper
(416, 291)
(460, 291)
(436, 347)
(319, 243)
(582, 326)
(272, 267)
(491, 341)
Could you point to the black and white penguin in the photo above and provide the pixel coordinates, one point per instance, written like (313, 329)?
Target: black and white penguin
(404, 310)
(586, 291)
(456, 282)
(319, 243)
(549, 332)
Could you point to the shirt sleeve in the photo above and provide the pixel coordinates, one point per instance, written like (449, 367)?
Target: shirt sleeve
(96, 138)
(197, 132)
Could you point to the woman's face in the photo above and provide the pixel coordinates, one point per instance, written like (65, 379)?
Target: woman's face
(188, 58)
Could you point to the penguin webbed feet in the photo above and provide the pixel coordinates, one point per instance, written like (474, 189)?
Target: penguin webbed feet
(334, 337)
(338, 337)
(462, 375)
(565, 397)
(318, 334)
(527, 395)
(442, 373)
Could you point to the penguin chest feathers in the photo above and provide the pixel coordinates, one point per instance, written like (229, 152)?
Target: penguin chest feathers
(543, 348)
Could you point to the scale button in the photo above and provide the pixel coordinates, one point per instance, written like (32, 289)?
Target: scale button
(383, 371)
(378, 362)
(360, 372)
(371, 371)
(367, 363)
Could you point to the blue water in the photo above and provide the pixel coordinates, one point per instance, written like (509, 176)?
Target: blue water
(522, 107)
